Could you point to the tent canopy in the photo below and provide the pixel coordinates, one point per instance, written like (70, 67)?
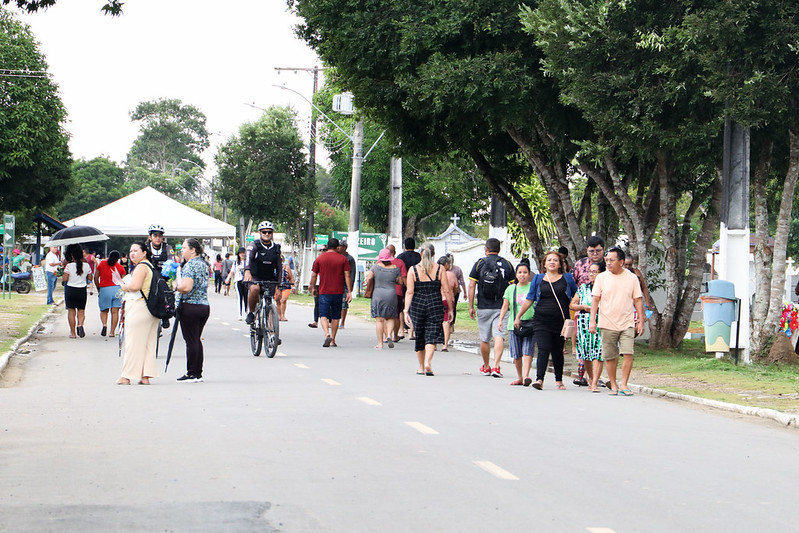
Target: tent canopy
(134, 213)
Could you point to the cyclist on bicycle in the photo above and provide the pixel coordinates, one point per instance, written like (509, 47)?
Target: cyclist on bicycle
(262, 262)
(159, 249)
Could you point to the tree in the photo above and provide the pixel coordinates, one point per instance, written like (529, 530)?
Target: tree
(328, 219)
(171, 139)
(112, 7)
(263, 172)
(34, 156)
(98, 182)
(447, 78)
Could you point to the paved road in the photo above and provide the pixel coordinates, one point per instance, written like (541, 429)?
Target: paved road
(350, 439)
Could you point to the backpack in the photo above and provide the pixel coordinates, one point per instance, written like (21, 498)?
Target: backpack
(161, 300)
(492, 282)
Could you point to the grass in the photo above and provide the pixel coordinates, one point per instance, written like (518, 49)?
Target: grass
(17, 315)
(689, 370)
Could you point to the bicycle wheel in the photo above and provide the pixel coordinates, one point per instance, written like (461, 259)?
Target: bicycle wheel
(256, 338)
(271, 329)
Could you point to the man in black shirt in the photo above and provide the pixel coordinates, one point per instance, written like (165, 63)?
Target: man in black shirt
(262, 262)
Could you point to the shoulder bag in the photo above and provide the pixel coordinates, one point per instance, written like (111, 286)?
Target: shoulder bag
(568, 324)
(525, 328)
(370, 286)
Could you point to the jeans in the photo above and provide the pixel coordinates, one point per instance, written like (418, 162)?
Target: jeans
(52, 280)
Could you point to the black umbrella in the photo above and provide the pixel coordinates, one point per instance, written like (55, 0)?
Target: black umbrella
(76, 235)
(172, 337)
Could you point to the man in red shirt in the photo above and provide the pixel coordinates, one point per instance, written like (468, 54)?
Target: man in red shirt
(330, 267)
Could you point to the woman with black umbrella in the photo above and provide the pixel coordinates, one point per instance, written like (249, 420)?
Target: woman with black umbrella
(77, 276)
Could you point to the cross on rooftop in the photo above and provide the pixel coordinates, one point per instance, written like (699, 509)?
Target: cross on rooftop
(455, 218)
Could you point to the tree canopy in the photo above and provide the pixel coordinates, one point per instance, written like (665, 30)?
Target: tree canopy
(263, 172)
(98, 182)
(34, 156)
(112, 7)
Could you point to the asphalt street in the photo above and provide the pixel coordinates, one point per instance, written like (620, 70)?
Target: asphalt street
(351, 439)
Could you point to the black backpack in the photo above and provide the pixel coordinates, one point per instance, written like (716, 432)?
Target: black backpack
(492, 282)
(161, 300)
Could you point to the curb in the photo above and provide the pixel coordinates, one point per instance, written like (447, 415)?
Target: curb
(6, 357)
(783, 418)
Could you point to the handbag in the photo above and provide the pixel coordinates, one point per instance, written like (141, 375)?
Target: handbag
(568, 324)
(525, 328)
(370, 286)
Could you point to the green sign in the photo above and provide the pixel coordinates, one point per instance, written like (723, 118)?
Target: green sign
(8, 234)
(321, 240)
(250, 238)
(369, 244)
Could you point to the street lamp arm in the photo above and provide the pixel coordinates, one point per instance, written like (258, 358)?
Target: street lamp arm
(349, 136)
(373, 146)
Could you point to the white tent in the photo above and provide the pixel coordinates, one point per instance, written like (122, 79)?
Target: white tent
(134, 213)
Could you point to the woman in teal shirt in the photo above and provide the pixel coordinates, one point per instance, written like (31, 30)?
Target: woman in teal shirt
(194, 309)
(520, 347)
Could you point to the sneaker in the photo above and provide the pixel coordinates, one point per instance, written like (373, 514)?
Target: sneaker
(485, 370)
(189, 379)
(496, 373)
(250, 318)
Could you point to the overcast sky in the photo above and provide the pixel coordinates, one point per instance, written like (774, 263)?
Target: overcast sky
(211, 54)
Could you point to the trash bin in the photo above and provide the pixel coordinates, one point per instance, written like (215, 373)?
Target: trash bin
(718, 312)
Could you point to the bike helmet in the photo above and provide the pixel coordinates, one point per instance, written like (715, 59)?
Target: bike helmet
(155, 228)
(266, 225)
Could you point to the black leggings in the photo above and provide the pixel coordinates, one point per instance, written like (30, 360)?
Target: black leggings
(217, 280)
(243, 292)
(549, 345)
(192, 321)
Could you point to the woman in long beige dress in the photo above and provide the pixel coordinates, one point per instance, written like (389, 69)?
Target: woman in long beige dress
(141, 327)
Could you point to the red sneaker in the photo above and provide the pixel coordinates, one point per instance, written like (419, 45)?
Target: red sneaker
(496, 373)
(485, 370)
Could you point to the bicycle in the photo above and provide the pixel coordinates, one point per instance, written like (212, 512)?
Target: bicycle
(265, 329)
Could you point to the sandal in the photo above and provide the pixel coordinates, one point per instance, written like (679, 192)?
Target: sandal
(561, 387)
(613, 392)
(538, 385)
(527, 382)
(123, 381)
(516, 382)
(626, 392)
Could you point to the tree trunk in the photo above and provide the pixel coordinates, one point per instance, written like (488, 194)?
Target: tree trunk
(770, 321)
(511, 199)
(763, 257)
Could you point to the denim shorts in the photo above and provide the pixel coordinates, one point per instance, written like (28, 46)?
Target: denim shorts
(520, 346)
(330, 306)
(107, 298)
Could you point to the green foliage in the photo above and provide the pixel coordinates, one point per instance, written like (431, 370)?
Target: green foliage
(328, 219)
(440, 184)
(263, 172)
(98, 182)
(34, 157)
(171, 139)
(536, 197)
(112, 7)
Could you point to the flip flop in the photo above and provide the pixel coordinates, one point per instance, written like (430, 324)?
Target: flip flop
(626, 392)
(613, 393)
(390, 343)
(538, 385)
(328, 341)
(596, 391)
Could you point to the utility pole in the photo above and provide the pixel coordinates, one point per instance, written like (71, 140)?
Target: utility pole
(355, 191)
(309, 236)
(395, 203)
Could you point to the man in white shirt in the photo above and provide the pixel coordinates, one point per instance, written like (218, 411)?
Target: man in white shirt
(51, 263)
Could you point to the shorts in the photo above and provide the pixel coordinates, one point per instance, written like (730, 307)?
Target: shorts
(520, 346)
(487, 322)
(330, 306)
(285, 293)
(344, 304)
(107, 298)
(617, 342)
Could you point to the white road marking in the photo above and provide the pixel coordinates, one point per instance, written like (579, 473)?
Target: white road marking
(493, 469)
(225, 323)
(247, 335)
(421, 428)
(237, 329)
(300, 365)
(217, 318)
(280, 354)
(599, 530)
(369, 401)
(331, 381)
